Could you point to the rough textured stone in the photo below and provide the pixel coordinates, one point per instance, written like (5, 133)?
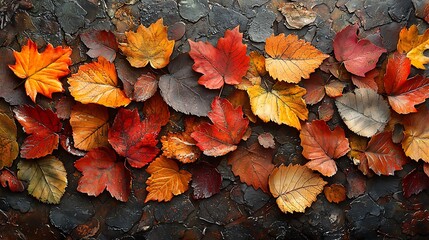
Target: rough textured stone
(193, 10)
(261, 26)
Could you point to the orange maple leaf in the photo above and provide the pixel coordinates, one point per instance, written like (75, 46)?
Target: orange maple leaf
(148, 45)
(42, 70)
(166, 180)
(414, 45)
(97, 82)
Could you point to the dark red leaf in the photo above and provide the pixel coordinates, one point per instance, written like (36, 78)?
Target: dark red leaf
(9, 179)
(206, 180)
(414, 183)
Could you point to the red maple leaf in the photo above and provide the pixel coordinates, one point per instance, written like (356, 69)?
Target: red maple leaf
(43, 125)
(404, 94)
(225, 63)
(228, 128)
(100, 170)
(157, 110)
(134, 139)
(358, 55)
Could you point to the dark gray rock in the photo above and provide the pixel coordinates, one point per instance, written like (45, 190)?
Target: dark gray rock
(221, 19)
(193, 10)
(71, 16)
(152, 10)
(125, 215)
(261, 26)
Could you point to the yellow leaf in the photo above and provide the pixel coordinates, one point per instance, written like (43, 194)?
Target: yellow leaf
(254, 73)
(42, 70)
(414, 45)
(148, 45)
(47, 178)
(166, 180)
(8, 145)
(90, 126)
(291, 58)
(296, 187)
(283, 104)
(97, 82)
(416, 135)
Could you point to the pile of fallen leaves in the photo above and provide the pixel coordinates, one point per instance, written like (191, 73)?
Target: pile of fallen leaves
(223, 91)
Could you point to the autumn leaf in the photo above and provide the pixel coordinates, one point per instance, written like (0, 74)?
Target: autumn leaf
(8, 179)
(134, 139)
(206, 180)
(414, 45)
(97, 82)
(225, 63)
(43, 125)
(181, 91)
(282, 105)
(317, 88)
(321, 146)
(363, 111)
(148, 45)
(416, 135)
(42, 71)
(335, 193)
(383, 156)
(100, 43)
(228, 128)
(156, 110)
(369, 81)
(8, 146)
(295, 187)
(291, 58)
(255, 71)
(100, 170)
(180, 146)
(359, 56)
(10, 90)
(46, 177)
(266, 140)
(241, 98)
(166, 180)
(404, 94)
(90, 126)
(253, 165)
(414, 182)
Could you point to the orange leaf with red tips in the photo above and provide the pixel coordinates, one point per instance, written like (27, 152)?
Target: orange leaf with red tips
(225, 63)
(100, 170)
(90, 124)
(42, 71)
(228, 128)
(166, 180)
(404, 94)
(384, 157)
(97, 82)
(253, 165)
(156, 110)
(43, 125)
(134, 139)
(359, 56)
(148, 45)
(321, 146)
(291, 58)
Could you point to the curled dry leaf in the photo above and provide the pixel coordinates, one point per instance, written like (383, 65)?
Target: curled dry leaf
(363, 111)
(90, 126)
(227, 130)
(266, 140)
(414, 45)
(282, 105)
(291, 58)
(359, 56)
(134, 139)
(321, 146)
(8, 179)
(8, 145)
(416, 135)
(100, 170)
(148, 45)
(166, 180)
(297, 16)
(181, 91)
(42, 71)
(43, 125)
(97, 82)
(404, 94)
(180, 146)
(100, 43)
(295, 187)
(46, 177)
(253, 165)
(335, 193)
(225, 63)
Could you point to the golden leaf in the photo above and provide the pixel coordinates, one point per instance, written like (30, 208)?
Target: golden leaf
(8, 146)
(414, 45)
